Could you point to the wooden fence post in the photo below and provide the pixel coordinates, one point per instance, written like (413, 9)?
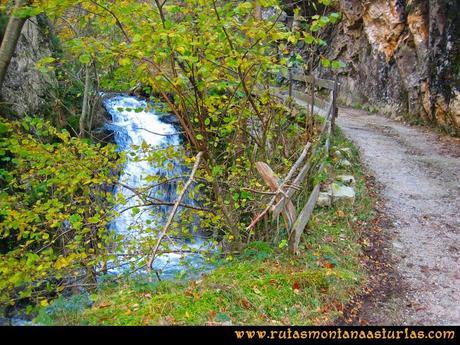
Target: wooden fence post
(282, 200)
(270, 178)
(335, 109)
(313, 79)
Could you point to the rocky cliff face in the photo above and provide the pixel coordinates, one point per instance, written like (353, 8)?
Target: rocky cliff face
(403, 58)
(26, 88)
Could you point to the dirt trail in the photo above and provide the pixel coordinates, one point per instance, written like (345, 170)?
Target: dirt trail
(420, 174)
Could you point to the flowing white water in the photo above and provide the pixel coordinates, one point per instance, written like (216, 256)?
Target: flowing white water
(136, 124)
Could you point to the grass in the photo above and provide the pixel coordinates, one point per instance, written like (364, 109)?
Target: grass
(263, 285)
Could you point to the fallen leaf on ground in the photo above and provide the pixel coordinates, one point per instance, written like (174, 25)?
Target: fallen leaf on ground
(104, 305)
(246, 304)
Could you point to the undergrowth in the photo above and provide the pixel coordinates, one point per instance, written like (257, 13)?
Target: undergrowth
(262, 285)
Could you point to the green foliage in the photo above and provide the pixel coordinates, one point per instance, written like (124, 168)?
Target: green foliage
(263, 285)
(211, 62)
(55, 203)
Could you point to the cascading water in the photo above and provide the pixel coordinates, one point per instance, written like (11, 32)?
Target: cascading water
(136, 125)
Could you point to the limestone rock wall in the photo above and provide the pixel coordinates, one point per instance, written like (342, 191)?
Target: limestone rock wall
(26, 88)
(403, 58)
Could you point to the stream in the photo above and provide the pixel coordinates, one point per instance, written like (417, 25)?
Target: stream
(139, 127)
(138, 124)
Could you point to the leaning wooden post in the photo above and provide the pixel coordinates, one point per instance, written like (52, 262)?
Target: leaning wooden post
(302, 221)
(270, 178)
(304, 215)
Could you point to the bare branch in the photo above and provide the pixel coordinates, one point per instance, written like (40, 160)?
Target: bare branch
(173, 211)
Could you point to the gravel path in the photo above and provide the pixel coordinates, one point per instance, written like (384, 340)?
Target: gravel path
(420, 174)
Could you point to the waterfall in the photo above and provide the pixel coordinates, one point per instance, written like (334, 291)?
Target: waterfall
(136, 125)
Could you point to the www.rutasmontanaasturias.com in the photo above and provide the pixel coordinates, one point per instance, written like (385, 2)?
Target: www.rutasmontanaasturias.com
(378, 333)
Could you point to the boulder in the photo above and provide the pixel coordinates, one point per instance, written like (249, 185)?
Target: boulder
(348, 180)
(344, 163)
(342, 195)
(337, 154)
(324, 199)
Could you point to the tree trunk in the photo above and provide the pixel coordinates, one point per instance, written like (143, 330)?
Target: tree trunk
(10, 40)
(257, 11)
(85, 107)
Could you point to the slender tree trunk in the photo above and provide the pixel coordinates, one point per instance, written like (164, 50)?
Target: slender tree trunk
(257, 11)
(85, 107)
(10, 40)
